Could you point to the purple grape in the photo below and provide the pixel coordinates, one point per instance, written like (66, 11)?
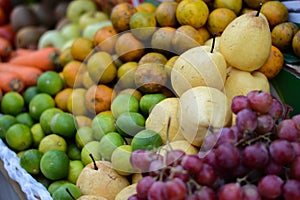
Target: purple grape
(251, 192)
(174, 157)
(265, 123)
(141, 159)
(274, 168)
(179, 172)
(246, 120)
(227, 135)
(227, 156)
(209, 158)
(134, 197)
(209, 142)
(231, 191)
(236, 131)
(206, 176)
(281, 151)
(287, 130)
(239, 103)
(191, 163)
(176, 189)
(205, 193)
(296, 119)
(240, 171)
(295, 168)
(296, 147)
(260, 101)
(157, 191)
(155, 167)
(255, 156)
(143, 186)
(270, 186)
(291, 190)
(276, 110)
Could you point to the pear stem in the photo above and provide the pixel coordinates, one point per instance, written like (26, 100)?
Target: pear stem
(168, 130)
(68, 191)
(213, 43)
(95, 166)
(258, 11)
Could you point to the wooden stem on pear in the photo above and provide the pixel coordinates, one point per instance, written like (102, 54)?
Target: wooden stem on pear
(258, 11)
(95, 166)
(213, 43)
(68, 191)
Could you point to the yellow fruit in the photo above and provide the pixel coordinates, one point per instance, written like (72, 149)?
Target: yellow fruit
(234, 5)
(275, 11)
(296, 44)
(52, 141)
(282, 35)
(165, 14)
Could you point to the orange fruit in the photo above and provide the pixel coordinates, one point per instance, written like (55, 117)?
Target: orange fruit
(165, 14)
(65, 56)
(61, 98)
(161, 39)
(274, 63)
(205, 34)
(73, 73)
(81, 48)
(275, 11)
(146, 6)
(83, 121)
(120, 16)
(105, 39)
(98, 98)
(254, 4)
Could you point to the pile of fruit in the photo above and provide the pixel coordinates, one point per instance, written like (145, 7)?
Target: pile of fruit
(154, 102)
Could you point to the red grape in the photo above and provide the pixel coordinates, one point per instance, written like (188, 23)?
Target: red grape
(295, 168)
(291, 190)
(209, 141)
(179, 172)
(227, 156)
(276, 110)
(206, 193)
(239, 103)
(140, 159)
(260, 101)
(265, 123)
(250, 192)
(246, 120)
(281, 151)
(176, 189)
(287, 130)
(174, 157)
(296, 119)
(227, 135)
(191, 163)
(270, 186)
(274, 168)
(296, 147)
(155, 167)
(158, 191)
(231, 191)
(209, 158)
(255, 156)
(143, 186)
(206, 176)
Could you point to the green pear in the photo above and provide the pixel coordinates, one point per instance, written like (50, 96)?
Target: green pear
(246, 41)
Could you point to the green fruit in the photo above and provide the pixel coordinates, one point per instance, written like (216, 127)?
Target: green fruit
(148, 101)
(109, 143)
(130, 123)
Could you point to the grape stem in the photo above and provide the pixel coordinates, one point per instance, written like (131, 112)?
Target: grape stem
(255, 139)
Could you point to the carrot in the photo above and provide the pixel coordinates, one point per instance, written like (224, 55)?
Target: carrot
(44, 59)
(20, 52)
(11, 81)
(29, 74)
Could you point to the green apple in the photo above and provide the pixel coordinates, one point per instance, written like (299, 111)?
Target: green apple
(71, 30)
(79, 7)
(91, 29)
(52, 38)
(91, 18)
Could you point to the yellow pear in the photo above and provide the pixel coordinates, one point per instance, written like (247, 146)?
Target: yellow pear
(202, 110)
(198, 66)
(246, 41)
(241, 82)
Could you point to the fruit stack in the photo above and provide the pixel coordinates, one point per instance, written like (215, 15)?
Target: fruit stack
(172, 101)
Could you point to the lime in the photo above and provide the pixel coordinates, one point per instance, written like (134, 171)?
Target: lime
(46, 117)
(37, 134)
(73, 151)
(148, 101)
(19, 137)
(6, 121)
(146, 139)
(55, 185)
(93, 148)
(43, 180)
(67, 191)
(20, 153)
(25, 118)
(130, 123)
(76, 166)
(63, 124)
(30, 161)
(102, 124)
(50, 82)
(55, 164)
(12, 103)
(83, 136)
(29, 93)
(39, 103)
(120, 160)
(109, 143)
(52, 141)
(124, 103)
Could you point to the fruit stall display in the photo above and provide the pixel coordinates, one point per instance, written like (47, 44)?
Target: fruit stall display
(151, 100)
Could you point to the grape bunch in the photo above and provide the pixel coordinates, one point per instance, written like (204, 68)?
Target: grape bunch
(256, 158)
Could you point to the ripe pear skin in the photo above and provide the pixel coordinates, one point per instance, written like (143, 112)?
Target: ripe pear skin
(246, 41)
